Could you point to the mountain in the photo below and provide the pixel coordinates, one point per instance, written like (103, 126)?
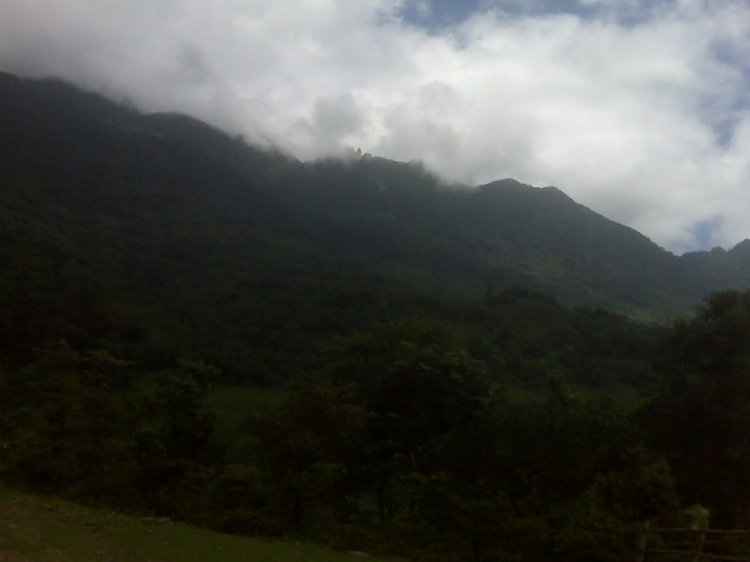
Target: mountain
(153, 232)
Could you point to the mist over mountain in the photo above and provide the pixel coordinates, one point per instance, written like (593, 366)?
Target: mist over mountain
(636, 109)
(141, 227)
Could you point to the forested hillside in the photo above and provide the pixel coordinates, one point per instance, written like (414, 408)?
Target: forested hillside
(161, 235)
(351, 350)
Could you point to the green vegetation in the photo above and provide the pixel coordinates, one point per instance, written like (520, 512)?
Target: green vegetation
(160, 237)
(701, 415)
(232, 404)
(400, 444)
(40, 529)
(345, 351)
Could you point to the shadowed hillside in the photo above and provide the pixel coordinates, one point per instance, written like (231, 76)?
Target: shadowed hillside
(154, 232)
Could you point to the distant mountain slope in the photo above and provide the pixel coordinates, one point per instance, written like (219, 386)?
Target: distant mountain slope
(139, 228)
(503, 234)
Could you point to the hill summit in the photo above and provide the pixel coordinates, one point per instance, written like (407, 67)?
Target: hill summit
(138, 227)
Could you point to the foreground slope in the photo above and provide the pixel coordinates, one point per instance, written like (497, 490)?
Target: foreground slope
(51, 530)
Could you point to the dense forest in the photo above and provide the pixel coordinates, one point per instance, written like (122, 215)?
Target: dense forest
(350, 350)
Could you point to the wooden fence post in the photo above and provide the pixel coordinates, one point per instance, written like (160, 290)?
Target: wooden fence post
(698, 541)
(640, 552)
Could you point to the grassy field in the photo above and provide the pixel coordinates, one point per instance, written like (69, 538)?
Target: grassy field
(233, 404)
(38, 529)
(624, 398)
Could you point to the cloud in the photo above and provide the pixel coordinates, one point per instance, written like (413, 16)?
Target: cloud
(639, 109)
(335, 125)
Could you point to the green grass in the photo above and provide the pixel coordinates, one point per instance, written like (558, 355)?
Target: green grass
(37, 529)
(233, 404)
(623, 397)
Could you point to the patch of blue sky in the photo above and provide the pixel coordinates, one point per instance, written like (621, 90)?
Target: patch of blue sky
(721, 111)
(705, 233)
(435, 15)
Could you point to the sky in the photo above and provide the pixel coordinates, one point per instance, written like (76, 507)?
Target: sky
(638, 109)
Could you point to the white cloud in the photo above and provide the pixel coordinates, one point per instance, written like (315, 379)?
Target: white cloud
(644, 120)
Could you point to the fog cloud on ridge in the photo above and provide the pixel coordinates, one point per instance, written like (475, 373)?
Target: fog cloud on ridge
(638, 109)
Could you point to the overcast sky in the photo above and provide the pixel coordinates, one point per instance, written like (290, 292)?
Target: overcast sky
(639, 109)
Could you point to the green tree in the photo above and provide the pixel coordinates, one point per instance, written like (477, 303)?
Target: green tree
(66, 421)
(305, 447)
(175, 444)
(420, 390)
(702, 413)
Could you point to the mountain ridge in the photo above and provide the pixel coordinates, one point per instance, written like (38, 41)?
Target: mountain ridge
(124, 224)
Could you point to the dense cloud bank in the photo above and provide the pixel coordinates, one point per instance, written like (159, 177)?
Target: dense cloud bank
(637, 109)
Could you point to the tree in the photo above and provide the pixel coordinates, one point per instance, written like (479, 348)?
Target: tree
(66, 421)
(175, 443)
(420, 390)
(701, 416)
(304, 447)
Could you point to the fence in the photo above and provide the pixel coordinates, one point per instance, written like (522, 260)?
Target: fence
(726, 544)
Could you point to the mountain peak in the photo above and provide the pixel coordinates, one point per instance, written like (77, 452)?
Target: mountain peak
(510, 185)
(504, 185)
(551, 189)
(7, 78)
(741, 250)
(110, 165)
